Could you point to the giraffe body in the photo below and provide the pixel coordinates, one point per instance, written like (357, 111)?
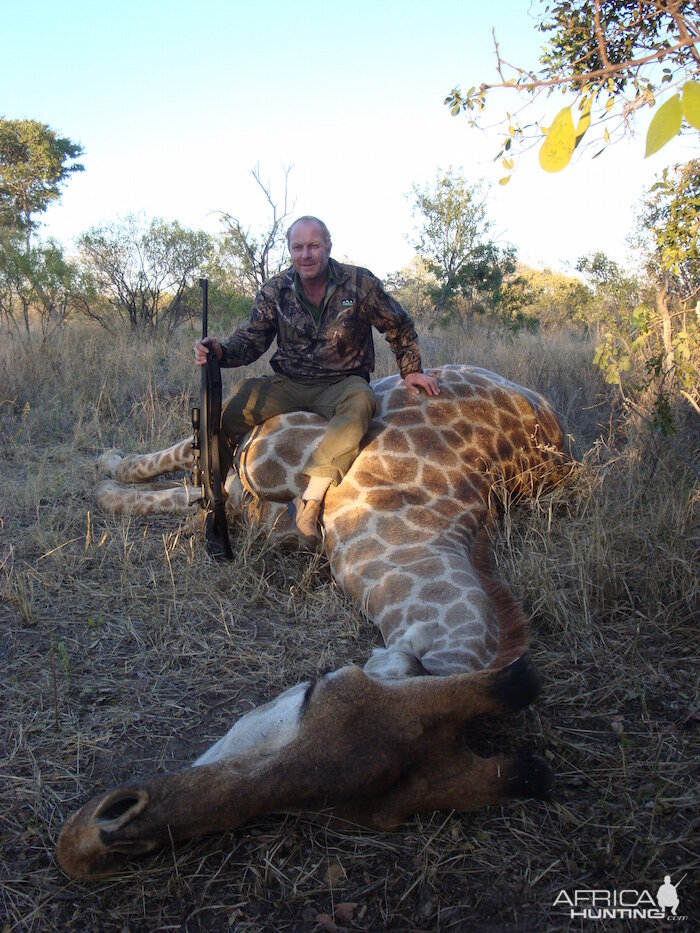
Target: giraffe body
(404, 535)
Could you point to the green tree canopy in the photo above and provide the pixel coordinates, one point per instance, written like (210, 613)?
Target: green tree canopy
(669, 226)
(615, 57)
(649, 329)
(35, 163)
(535, 298)
(452, 240)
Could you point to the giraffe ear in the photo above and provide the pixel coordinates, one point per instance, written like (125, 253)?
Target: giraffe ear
(119, 808)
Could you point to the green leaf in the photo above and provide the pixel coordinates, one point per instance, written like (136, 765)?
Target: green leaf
(691, 103)
(665, 125)
(560, 142)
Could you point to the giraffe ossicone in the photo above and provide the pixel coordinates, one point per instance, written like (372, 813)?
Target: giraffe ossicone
(404, 534)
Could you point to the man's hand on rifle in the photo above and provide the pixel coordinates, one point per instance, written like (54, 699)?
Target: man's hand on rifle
(201, 350)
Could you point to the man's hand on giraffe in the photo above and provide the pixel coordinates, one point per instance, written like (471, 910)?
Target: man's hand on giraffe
(201, 352)
(414, 382)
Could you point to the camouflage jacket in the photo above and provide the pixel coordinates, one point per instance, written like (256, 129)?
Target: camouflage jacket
(340, 343)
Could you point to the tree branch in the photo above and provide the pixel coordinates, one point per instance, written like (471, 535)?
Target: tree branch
(599, 34)
(541, 84)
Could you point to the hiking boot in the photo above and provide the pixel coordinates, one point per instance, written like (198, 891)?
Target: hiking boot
(304, 514)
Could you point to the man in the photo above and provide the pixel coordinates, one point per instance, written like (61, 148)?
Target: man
(321, 313)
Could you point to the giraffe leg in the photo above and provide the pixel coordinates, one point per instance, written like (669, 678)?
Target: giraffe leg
(166, 498)
(139, 468)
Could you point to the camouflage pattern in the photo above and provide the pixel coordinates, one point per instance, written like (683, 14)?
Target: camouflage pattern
(340, 344)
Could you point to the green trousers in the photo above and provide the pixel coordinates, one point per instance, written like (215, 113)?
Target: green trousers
(347, 404)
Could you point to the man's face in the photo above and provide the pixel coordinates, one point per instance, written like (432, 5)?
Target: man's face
(309, 251)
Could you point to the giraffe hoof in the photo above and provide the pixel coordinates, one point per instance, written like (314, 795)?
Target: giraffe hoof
(518, 684)
(531, 776)
(108, 462)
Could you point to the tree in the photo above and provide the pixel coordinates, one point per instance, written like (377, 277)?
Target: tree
(255, 259)
(613, 314)
(669, 228)
(648, 331)
(615, 57)
(451, 239)
(35, 164)
(535, 298)
(144, 274)
(412, 286)
(15, 286)
(38, 285)
(670, 223)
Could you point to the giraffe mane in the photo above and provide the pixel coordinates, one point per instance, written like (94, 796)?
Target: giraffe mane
(513, 626)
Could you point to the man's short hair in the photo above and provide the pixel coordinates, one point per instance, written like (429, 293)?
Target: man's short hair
(307, 218)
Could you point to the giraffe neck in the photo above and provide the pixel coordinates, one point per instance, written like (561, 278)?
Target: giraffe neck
(401, 527)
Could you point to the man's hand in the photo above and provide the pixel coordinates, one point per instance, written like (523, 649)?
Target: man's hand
(201, 350)
(414, 382)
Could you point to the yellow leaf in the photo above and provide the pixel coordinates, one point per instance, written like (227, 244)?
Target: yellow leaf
(504, 180)
(558, 147)
(609, 104)
(585, 107)
(691, 103)
(665, 124)
(606, 135)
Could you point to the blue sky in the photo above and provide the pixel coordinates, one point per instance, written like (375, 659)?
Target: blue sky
(175, 102)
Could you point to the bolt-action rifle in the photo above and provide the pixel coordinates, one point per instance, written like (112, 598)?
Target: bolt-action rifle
(206, 471)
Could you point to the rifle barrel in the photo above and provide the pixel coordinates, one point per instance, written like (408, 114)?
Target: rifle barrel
(204, 285)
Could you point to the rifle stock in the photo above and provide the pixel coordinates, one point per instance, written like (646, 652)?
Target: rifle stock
(206, 470)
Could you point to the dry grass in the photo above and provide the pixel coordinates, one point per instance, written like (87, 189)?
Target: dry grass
(125, 650)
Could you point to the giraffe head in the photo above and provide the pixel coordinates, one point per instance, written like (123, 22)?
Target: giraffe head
(373, 751)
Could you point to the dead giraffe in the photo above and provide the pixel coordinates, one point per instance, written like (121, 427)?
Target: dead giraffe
(402, 532)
